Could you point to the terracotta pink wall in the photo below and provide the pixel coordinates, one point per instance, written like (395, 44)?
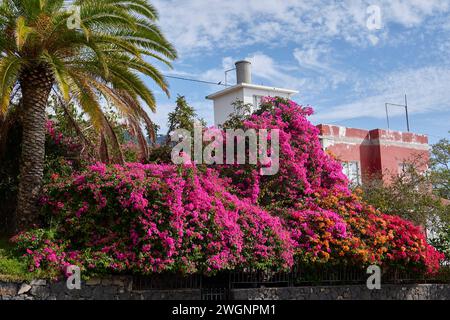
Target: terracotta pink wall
(377, 150)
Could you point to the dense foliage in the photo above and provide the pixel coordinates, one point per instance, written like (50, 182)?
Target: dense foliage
(183, 117)
(441, 241)
(160, 217)
(87, 56)
(440, 165)
(329, 223)
(154, 218)
(408, 195)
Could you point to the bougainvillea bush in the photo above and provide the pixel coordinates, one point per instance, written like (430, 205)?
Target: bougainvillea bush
(161, 217)
(380, 239)
(304, 167)
(328, 223)
(154, 218)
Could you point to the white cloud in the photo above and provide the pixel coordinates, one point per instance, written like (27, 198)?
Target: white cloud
(373, 39)
(218, 74)
(308, 29)
(427, 90)
(413, 12)
(310, 56)
(197, 26)
(317, 58)
(265, 68)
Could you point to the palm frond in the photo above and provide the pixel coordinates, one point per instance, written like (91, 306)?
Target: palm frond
(59, 70)
(75, 125)
(9, 72)
(105, 59)
(90, 104)
(22, 32)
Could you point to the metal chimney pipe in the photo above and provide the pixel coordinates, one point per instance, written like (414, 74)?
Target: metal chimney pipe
(244, 72)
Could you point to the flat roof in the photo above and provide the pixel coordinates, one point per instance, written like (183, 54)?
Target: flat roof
(387, 131)
(249, 86)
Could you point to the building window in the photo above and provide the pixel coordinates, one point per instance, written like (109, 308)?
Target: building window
(256, 102)
(352, 170)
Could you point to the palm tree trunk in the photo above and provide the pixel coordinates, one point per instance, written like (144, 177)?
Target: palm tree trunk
(36, 84)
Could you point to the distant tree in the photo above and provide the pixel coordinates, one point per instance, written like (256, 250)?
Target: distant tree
(440, 176)
(183, 117)
(409, 195)
(440, 168)
(441, 241)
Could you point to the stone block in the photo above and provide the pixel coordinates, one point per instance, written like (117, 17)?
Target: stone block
(24, 288)
(38, 283)
(40, 292)
(8, 289)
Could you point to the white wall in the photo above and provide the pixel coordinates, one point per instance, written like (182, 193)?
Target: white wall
(223, 105)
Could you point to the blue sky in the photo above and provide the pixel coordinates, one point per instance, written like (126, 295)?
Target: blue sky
(323, 49)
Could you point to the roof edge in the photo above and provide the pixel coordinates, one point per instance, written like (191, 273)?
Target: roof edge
(249, 86)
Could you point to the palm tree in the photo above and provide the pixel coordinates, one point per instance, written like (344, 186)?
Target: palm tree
(99, 60)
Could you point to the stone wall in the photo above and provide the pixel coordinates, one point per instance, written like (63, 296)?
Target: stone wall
(120, 288)
(116, 288)
(387, 292)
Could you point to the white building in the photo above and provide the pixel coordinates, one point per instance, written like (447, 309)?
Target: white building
(243, 91)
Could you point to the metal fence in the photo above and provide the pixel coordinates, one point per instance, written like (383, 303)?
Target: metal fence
(219, 286)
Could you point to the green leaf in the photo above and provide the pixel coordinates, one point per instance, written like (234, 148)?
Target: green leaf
(22, 32)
